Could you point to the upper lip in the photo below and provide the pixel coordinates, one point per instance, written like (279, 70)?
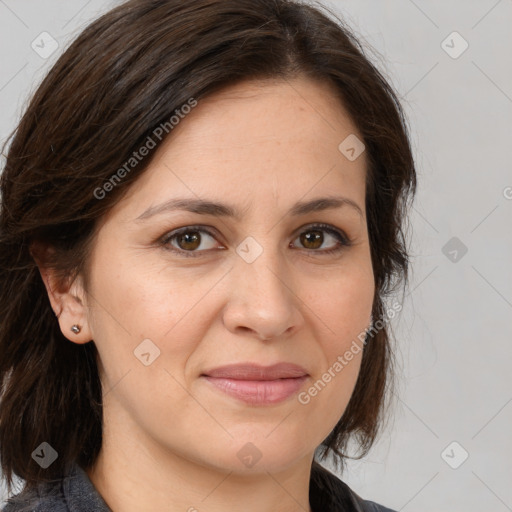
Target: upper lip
(251, 371)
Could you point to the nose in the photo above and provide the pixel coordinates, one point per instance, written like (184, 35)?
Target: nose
(263, 300)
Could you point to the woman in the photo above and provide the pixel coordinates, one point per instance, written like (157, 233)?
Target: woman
(202, 213)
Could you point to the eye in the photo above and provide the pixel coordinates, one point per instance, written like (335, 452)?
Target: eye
(313, 238)
(188, 240)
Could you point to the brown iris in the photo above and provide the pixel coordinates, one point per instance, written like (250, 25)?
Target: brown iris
(313, 237)
(189, 240)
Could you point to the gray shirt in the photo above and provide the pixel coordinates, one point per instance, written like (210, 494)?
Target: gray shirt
(76, 493)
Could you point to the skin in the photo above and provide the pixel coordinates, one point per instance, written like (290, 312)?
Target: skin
(170, 439)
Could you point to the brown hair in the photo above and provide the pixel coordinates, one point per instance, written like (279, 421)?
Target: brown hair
(126, 74)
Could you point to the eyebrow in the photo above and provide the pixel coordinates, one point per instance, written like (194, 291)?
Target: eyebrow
(206, 207)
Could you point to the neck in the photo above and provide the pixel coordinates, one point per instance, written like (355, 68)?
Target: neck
(141, 475)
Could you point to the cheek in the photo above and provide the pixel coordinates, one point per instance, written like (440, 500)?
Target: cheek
(343, 304)
(133, 301)
(139, 299)
(342, 308)
(137, 319)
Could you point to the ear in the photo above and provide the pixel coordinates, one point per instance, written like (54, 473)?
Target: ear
(68, 299)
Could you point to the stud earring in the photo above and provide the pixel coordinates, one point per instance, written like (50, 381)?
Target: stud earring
(76, 329)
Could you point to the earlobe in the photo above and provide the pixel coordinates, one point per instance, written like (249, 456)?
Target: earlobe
(71, 303)
(73, 318)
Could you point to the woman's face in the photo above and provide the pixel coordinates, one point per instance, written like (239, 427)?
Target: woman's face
(259, 287)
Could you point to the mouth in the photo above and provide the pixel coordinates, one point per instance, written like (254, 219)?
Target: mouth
(258, 385)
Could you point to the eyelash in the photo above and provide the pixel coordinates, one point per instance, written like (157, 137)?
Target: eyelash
(343, 240)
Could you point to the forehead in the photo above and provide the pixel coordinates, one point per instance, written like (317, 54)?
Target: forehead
(263, 109)
(255, 141)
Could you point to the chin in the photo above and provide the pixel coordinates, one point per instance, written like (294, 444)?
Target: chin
(261, 452)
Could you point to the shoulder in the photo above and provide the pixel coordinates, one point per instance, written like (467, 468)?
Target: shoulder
(371, 506)
(329, 493)
(46, 497)
(73, 492)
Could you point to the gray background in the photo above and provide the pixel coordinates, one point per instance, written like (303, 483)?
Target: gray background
(455, 333)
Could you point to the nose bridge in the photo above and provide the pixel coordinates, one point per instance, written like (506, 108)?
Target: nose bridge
(262, 298)
(262, 272)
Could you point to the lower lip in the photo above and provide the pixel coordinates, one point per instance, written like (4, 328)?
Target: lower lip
(258, 392)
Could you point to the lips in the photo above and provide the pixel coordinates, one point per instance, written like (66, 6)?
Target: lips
(257, 385)
(250, 371)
